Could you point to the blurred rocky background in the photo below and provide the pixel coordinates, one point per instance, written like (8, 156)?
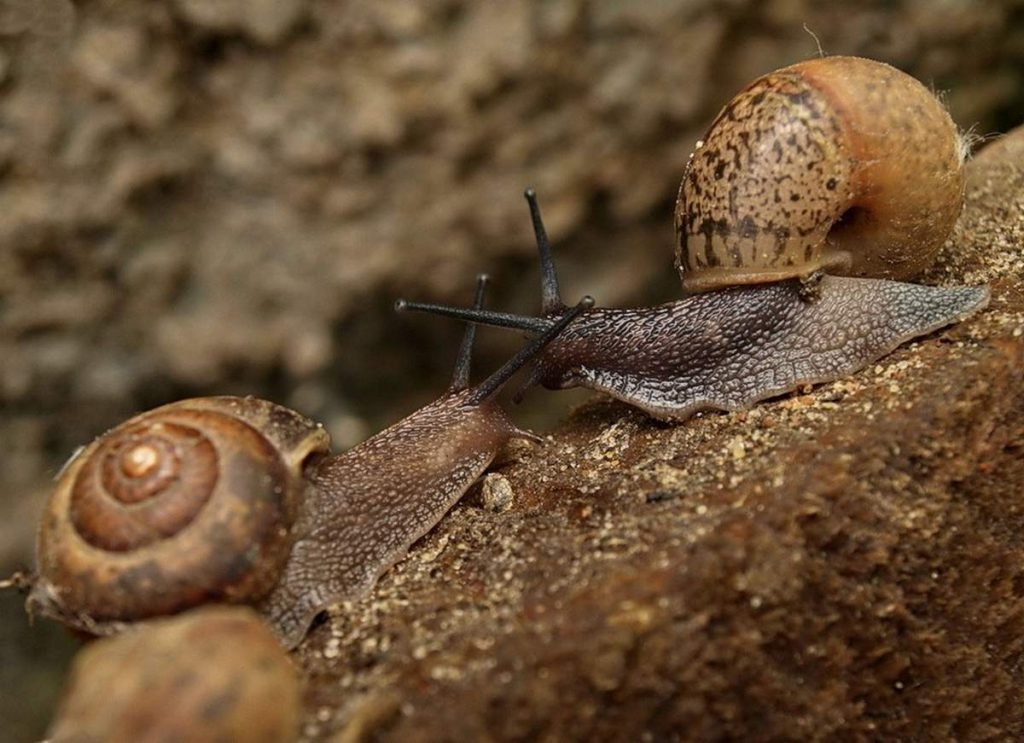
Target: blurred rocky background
(226, 197)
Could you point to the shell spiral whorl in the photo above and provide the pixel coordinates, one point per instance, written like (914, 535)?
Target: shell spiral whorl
(839, 163)
(184, 504)
(145, 484)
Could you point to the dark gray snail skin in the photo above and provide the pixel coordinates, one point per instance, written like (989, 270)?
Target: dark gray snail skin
(239, 500)
(727, 349)
(730, 349)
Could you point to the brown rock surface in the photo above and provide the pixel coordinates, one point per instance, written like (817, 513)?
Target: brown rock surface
(839, 565)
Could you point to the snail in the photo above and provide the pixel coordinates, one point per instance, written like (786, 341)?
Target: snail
(238, 500)
(832, 166)
(216, 673)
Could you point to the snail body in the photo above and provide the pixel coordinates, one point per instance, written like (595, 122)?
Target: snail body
(814, 190)
(239, 500)
(212, 674)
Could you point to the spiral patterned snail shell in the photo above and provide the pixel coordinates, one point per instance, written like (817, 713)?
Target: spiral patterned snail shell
(188, 503)
(841, 163)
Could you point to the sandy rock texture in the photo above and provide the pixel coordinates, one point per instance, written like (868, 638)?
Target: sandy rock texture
(844, 564)
(225, 198)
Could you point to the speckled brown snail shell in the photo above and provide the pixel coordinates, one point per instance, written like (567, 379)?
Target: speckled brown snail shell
(211, 674)
(840, 164)
(816, 191)
(239, 500)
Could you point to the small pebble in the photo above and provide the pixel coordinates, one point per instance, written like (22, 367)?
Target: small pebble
(496, 493)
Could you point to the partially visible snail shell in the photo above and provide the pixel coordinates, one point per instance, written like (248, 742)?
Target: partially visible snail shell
(841, 163)
(185, 504)
(211, 674)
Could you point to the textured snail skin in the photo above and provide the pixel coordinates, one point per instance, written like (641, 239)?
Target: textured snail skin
(237, 500)
(211, 674)
(727, 350)
(368, 506)
(841, 163)
(365, 507)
